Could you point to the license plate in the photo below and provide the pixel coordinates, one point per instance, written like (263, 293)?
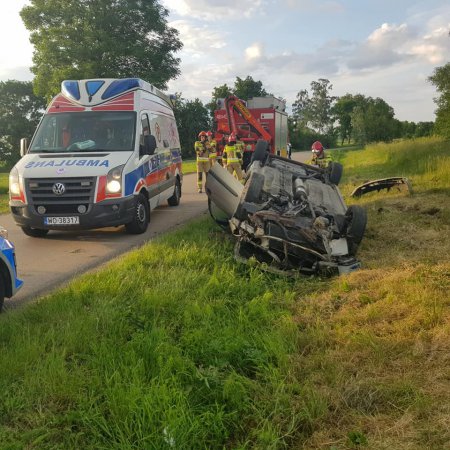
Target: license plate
(70, 220)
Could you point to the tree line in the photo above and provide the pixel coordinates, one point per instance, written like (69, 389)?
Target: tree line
(125, 38)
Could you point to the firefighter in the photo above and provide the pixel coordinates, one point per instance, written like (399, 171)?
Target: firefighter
(319, 158)
(240, 146)
(202, 151)
(212, 148)
(232, 158)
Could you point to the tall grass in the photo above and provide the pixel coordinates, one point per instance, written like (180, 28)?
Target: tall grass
(4, 207)
(426, 161)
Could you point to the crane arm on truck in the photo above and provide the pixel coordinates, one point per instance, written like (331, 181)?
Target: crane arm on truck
(232, 102)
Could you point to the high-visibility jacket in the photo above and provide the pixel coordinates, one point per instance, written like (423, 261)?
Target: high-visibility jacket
(321, 161)
(231, 154)
(240, 146)
(201, 150)
(212, 149)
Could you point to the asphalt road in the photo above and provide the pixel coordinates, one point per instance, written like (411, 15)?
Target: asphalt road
(47, 263)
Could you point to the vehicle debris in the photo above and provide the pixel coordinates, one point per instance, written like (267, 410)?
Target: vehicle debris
(384, 183)
(288, 216)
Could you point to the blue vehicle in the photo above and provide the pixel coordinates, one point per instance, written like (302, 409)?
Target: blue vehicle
(9, 283)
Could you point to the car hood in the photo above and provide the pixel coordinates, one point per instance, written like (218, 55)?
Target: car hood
(66, 165)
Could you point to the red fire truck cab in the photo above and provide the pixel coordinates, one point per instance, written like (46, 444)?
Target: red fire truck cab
(257, 118)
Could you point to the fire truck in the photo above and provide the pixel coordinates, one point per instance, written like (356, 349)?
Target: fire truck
(252, 120)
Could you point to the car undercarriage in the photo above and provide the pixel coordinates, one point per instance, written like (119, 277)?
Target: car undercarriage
(288, 216)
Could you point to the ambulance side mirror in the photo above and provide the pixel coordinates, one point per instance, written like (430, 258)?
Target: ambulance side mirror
(149, 146)
(23, 146)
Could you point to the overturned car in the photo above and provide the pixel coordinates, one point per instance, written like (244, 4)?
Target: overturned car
(288, 216)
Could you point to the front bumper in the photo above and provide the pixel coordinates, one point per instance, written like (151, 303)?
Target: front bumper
(111, 212)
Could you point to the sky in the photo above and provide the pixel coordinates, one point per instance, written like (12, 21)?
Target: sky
(377, 48)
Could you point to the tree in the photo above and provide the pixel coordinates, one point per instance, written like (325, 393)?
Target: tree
(372, 120)
(441, 79)
(192, 117)
(76, 39)
(320, 106)
(301, 108)
(243, 88)
(341, 112)
(248, 88)
(20, 112)
(218, 92)
(312, 116)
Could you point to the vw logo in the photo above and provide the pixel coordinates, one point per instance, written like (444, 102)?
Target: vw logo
(58, 189)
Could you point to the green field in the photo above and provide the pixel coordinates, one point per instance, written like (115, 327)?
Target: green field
(176, 345)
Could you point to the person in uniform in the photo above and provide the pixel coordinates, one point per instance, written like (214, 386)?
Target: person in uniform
(232, 158)
(319, 158)
(202, 151)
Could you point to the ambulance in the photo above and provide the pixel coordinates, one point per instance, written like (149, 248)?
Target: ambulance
(105, 153)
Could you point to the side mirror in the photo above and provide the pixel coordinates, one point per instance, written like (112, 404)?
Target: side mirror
(23, 146)
(149, 146)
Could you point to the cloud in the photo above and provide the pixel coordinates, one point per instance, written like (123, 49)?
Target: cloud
(215, 10)
(199, 40)
(328, 6)
(21, 73)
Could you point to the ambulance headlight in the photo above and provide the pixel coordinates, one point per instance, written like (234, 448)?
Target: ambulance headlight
(114, 180)
(14, 183)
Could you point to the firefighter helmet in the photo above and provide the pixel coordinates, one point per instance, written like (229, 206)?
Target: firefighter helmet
(317, 148)
(202, 133)
(208, 133)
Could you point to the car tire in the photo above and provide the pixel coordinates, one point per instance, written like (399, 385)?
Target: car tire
(175, 199)
(141, 216)
(2, 291)
(335, 172)
(254, 187)
(261, 152)
(356, 218)
(35, 232)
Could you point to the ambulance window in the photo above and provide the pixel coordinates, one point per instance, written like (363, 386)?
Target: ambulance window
(145, 127)
(165, 143)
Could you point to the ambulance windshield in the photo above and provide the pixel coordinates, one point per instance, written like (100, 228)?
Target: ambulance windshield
(85, 132)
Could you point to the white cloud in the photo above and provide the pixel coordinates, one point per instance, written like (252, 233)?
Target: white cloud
(254, 52)
(215, 10)
(199, 40)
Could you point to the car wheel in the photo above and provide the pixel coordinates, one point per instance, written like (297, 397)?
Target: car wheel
(175, 199)
(254, 187)
(335, 172)
(261, 152)
(356, 218)
(141, 216)
(2, 291)
(35, 232)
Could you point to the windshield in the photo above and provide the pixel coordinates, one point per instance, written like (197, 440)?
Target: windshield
(84, 132)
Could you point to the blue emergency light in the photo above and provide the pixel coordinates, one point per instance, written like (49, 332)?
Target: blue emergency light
(70, 88)
(119, 86)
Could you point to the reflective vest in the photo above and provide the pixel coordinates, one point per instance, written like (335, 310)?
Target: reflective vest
(231, 154)
(240, 146)
(201, 150)
(212, 149)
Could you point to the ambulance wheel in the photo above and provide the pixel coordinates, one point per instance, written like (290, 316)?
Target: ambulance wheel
(141, 216)
(35, 232)
(175, 199)
(2, 291)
